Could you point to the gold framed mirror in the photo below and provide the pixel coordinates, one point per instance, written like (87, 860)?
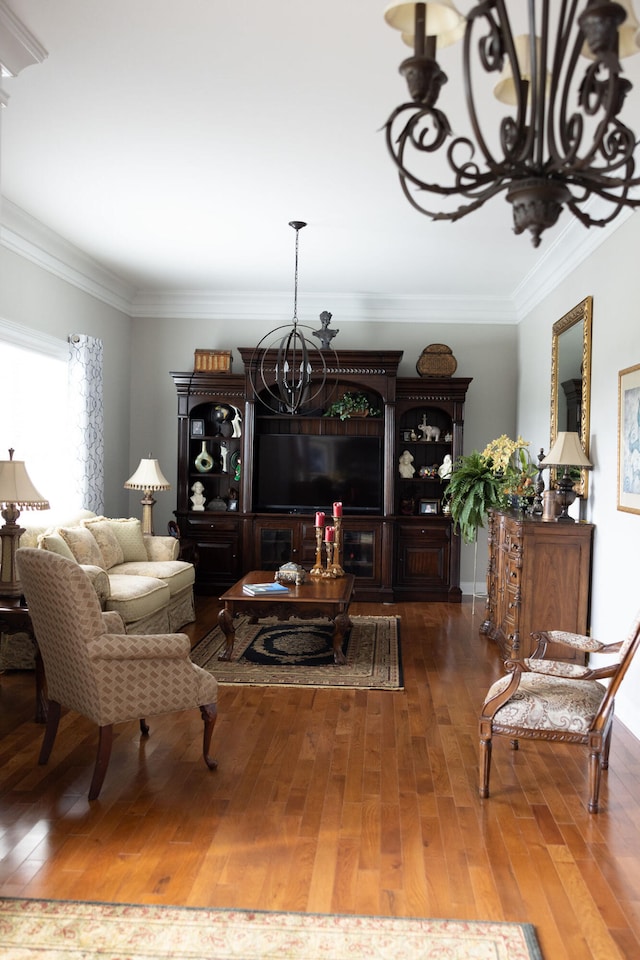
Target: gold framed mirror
(571, 378)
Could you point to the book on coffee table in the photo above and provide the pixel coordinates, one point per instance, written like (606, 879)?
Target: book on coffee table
(259, 589)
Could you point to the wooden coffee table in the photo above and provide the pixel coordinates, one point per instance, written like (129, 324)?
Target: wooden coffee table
(317, 597)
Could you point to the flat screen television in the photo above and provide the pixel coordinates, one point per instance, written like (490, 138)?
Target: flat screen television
(303, 473)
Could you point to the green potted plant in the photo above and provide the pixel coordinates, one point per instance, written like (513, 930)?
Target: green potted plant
(486, 481)
(352, 404)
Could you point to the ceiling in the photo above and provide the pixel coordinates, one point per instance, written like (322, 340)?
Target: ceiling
(174, 141)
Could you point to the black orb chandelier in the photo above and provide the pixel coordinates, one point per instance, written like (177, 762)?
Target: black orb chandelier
(289, 374)
(562, 143)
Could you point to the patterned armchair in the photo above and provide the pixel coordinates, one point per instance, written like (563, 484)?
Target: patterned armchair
(92, 666)
(542, 699)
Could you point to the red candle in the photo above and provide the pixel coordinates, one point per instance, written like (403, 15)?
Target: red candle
(337, 509)
(330, 534)
(319, 519)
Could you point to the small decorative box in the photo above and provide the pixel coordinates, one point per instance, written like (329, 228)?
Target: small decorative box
(214, 360)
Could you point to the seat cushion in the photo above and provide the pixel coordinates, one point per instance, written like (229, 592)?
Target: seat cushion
(136, 597)
(177, 574)
(549, 703)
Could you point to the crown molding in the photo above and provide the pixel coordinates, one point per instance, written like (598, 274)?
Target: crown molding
(568, 250)
(18, 46)
(29, 238)
(277, 307)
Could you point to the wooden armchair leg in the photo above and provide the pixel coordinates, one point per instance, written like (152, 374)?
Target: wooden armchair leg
(209, 713)
(485, 767)
(595, 769)
(53, 719)
(102, 761)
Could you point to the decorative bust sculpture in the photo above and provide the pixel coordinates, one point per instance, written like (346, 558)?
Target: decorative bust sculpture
(446, 469)
(405, 465)
(197, 500)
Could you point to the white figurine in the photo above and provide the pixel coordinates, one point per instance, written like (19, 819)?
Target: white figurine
(236, 422)
(224, 453)
(446, 469)
(197, 500)
(405, 465)
(428, 432)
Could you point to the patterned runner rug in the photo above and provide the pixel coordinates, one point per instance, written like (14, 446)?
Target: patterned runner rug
(68, 930)
(298, 652)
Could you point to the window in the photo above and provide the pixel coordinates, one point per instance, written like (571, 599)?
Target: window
(35, 417)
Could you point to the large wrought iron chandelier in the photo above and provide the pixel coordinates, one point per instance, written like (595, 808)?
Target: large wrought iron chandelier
(288, 373)
(563, 141)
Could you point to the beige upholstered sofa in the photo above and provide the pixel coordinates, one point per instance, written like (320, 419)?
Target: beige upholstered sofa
(139, 577)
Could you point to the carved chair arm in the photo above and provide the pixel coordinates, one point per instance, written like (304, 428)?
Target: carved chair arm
(576, 641)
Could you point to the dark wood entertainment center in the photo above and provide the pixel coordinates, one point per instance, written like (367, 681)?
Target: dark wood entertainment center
(404, 548)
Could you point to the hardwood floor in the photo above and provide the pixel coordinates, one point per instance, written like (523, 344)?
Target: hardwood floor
(333, 801)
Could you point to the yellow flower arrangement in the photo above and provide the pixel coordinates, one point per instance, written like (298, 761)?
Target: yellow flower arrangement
(509, 460)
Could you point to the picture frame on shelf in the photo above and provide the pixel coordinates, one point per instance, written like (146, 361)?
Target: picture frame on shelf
(197, 428)
(406, 436)
(429, 506)
(628, 408)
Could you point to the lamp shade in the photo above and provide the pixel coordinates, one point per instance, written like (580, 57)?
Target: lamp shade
(16, 487)
(148, 476)
(567, 452)
(442, 17)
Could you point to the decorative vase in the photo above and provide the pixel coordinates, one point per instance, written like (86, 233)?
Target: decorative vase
(204, 460)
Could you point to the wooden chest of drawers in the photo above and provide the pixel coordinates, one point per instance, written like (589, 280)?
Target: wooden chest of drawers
(538, 578)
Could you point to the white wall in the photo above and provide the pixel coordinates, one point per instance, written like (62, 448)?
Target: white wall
(612, 278)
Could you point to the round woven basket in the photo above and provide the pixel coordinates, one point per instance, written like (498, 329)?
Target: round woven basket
(436, 360)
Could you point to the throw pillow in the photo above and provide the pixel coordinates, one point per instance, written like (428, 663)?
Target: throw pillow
(83, 545)
(129, 534)
(109, 544)
(52, 541)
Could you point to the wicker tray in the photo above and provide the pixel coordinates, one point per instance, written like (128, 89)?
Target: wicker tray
(436, 360)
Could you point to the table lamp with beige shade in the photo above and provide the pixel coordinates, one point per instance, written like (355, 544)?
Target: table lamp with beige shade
(148, 477)
(566, 451)
(17, 493)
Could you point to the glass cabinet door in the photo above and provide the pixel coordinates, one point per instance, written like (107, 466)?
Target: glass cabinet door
(275, 547)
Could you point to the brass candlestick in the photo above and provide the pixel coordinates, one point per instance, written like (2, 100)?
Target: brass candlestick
(336, 568)
(329, 546)
(317, 570)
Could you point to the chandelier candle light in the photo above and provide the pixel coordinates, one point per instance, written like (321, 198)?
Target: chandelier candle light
(561, 141)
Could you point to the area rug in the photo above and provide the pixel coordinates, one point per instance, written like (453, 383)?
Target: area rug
(298, 652)
(71, 930)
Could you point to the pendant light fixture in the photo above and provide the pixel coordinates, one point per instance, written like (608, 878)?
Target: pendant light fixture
(288, 373)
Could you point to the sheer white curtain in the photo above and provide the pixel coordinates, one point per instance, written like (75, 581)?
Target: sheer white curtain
(87, 419)
(51, 398)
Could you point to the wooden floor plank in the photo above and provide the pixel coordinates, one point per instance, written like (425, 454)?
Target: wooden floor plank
(331, 800)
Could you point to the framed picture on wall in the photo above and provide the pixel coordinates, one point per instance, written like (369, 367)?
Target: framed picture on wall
(629, 439)
(429, 506)
(197, 428)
